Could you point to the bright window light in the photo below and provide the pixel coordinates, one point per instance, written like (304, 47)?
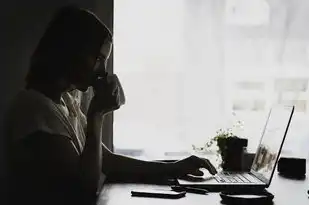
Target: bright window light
(187, 71)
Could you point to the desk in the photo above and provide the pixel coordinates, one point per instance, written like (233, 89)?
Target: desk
(286, 191)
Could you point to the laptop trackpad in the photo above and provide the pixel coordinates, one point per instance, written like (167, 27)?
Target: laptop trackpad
(193, 178)
(197, 180)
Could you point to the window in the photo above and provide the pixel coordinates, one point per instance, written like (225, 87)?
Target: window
(188, 66)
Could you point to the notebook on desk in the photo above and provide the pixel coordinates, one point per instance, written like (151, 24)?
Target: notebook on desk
(264, 163)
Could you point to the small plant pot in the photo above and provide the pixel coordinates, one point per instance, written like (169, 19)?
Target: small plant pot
(232, 151)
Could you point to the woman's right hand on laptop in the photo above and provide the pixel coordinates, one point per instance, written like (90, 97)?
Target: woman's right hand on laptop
(191, 166)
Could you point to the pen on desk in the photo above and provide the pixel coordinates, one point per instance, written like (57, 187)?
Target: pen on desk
(190, 189)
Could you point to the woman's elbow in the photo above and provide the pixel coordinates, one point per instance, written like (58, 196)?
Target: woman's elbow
(107, 162)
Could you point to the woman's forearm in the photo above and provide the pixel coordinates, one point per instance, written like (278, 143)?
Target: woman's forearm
(119, 165)
(91, 159)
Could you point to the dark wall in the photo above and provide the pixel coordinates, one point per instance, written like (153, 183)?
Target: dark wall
(22, 24)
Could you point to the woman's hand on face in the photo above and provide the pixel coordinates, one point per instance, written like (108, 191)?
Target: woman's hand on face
(106, 96)
(191, 165)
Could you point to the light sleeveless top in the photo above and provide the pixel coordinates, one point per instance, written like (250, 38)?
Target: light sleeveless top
(31, 111)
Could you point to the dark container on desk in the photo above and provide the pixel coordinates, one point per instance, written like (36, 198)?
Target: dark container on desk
(292, 167)
(232, 150)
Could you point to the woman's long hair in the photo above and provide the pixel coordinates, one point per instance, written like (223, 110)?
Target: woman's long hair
(72, 34)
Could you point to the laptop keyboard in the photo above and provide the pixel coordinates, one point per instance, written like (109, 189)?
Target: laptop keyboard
(226, 177)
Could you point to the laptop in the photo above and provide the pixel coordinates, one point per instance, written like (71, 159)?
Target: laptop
(265, 160)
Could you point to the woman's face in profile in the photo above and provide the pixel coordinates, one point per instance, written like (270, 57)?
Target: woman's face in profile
(84, 73)
(104, 55)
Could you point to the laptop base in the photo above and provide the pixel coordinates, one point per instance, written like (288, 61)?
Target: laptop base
(219, 187)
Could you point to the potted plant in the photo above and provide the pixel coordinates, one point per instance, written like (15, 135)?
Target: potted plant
(231, 149)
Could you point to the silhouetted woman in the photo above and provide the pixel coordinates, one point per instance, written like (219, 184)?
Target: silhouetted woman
(55, 151)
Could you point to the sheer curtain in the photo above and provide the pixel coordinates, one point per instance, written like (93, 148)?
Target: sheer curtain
(189, 68)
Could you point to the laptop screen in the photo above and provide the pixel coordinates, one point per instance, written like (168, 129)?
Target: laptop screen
(271, 142)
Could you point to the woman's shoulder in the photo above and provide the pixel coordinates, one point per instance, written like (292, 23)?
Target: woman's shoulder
(29, 100)
(30, 111)
(29, 103)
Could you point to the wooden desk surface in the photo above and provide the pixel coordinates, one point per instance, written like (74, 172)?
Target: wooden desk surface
(286, 191)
